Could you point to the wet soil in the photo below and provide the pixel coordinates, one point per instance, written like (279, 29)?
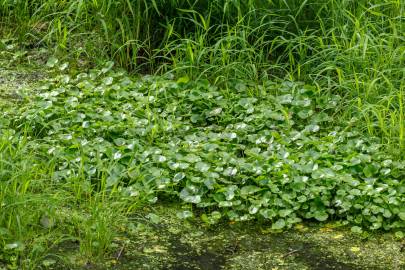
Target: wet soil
(174, 244)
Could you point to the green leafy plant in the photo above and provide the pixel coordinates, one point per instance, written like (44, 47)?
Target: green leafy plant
(269, 152)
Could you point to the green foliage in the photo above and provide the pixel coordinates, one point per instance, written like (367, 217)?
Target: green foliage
(350, 48)
(36, 213)
(237, 133)
(270, 151)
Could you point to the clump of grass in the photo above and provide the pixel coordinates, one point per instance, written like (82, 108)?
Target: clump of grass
(39, 217)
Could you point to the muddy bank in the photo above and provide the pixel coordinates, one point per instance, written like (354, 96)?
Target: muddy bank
(156, 239)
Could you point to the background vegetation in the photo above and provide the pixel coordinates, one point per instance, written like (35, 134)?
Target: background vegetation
(347, 57)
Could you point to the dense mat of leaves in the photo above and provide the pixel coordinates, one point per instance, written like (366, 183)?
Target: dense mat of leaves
(242, 152)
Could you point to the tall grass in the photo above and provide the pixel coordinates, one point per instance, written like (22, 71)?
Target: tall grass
(355, 48)
(37, 216)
